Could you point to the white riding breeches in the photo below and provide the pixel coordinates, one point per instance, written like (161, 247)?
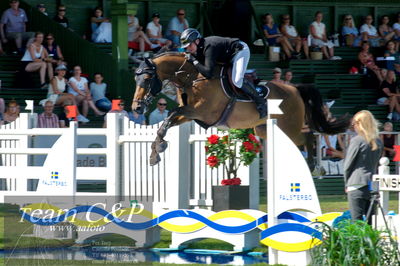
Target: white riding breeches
(240, 61)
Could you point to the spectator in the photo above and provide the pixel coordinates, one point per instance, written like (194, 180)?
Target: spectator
(388, 140)
(78, 86)
(95, 23)
(361, 162)
(176, 26)
(48, 119)
(54, 51)
(60, 17)
(2, 107)
(12, 112)
(329, 143)
(319, 39)
(277, 73)
(154, 31)
(64, 121)
(396, 29)
(288, 78)
(137, 118)
(42, 9)
(36, 59)
(290, 32)
(14, 20)
(369, 32)
(350, 33)
(98, 90)
(273, 36)
(386, 32)
(383, 72)
(388, 94)
(160, 113)
(391, 51)
(118, 110)
(136, 34)
(367, 60)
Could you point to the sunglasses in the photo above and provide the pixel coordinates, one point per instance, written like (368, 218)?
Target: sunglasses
(62, 10)
(181, 14)
(286, 18)
(121, 104)
(162, 104)
(49, 38)
(277, 72)
(347, 18)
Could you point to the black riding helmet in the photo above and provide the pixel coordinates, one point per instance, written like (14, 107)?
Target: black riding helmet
(188, 36)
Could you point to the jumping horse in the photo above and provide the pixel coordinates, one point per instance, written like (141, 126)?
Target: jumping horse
(207, 102)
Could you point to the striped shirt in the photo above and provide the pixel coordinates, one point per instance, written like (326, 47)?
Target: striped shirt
(45, 121)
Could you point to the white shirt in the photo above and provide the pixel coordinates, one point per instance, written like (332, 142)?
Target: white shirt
(291, 30)
(396, 26)
(371, 30)
(319, 28)
(135, 25)
(27, 56)
(154, 30)
(79, 84)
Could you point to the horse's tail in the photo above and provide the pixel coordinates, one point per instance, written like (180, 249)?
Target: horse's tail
(315, 116)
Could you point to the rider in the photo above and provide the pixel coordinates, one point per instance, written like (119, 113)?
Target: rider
(204, 53)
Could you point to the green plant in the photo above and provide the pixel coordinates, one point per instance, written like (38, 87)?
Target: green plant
(354, 243)
(239, 146)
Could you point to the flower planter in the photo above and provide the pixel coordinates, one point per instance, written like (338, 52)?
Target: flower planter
(230, 197)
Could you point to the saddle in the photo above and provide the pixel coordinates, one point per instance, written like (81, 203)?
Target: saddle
(231, 91)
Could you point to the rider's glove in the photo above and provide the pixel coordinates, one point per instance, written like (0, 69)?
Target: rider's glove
(189, 57)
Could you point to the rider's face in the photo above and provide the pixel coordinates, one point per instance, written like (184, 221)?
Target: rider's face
(192, 48)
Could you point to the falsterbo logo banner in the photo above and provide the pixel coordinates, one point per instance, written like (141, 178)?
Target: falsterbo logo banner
(73, 219)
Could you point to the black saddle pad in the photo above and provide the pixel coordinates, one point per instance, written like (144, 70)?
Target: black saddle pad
(232, 91)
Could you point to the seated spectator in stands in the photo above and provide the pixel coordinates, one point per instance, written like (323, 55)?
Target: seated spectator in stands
(160, 113)
(13, 26)
(48, 119)
(329, 143)
(367, 60)
(350, 33)
(319, 38)
(101, 27)
(42, 9)
(78, 86)
(12, 112)
(36, 59)
(176, 26)
(290, 32)
(60, 17)
(277, 73)
(136, 34)
(385, 31)
(369, 32)
(98, 90)
(288, 78)
(383, 72)
(388, 94)
(396, 29)
(64, 121)
(137, 118)
(116, 109)
(273, 35)
(391, 51)
(2, 109)
(54, 52)
(154, 31)
(388, 140)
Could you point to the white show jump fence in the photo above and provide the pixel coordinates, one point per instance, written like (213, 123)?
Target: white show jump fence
(181, 180)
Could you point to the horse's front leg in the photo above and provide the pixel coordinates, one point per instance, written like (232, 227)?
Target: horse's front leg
(175, 118)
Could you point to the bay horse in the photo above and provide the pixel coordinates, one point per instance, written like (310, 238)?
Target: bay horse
(204, 101)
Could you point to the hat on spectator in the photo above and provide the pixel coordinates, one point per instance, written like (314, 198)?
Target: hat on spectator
(155, 15)
(277, 69)
(40, 6)
(61, 67)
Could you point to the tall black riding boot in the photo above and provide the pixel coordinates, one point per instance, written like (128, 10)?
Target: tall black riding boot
(260, 102)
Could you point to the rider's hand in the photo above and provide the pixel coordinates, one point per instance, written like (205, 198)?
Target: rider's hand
(189, 57)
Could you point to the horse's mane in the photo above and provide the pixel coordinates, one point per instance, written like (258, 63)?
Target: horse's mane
(168, 54)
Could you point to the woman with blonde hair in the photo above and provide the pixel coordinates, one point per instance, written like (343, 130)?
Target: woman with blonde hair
(350, 33)
(360, 163)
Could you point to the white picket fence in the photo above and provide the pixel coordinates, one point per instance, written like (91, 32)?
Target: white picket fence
(181, 180)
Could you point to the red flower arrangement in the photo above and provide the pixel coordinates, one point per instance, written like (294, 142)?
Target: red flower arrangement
(240, 146)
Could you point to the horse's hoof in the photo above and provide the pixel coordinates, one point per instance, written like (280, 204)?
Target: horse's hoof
(154, 159)
(161, 146)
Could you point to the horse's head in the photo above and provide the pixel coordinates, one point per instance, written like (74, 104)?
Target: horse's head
(148, 85)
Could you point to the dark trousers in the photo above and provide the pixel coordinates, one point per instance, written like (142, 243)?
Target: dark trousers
(359, 202)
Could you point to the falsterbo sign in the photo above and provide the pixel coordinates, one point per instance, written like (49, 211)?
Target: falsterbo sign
(388, 182)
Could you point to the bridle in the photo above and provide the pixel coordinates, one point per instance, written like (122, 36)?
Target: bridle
(152, 85)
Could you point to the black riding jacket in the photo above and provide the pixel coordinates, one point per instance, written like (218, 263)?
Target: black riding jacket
(214, 49)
